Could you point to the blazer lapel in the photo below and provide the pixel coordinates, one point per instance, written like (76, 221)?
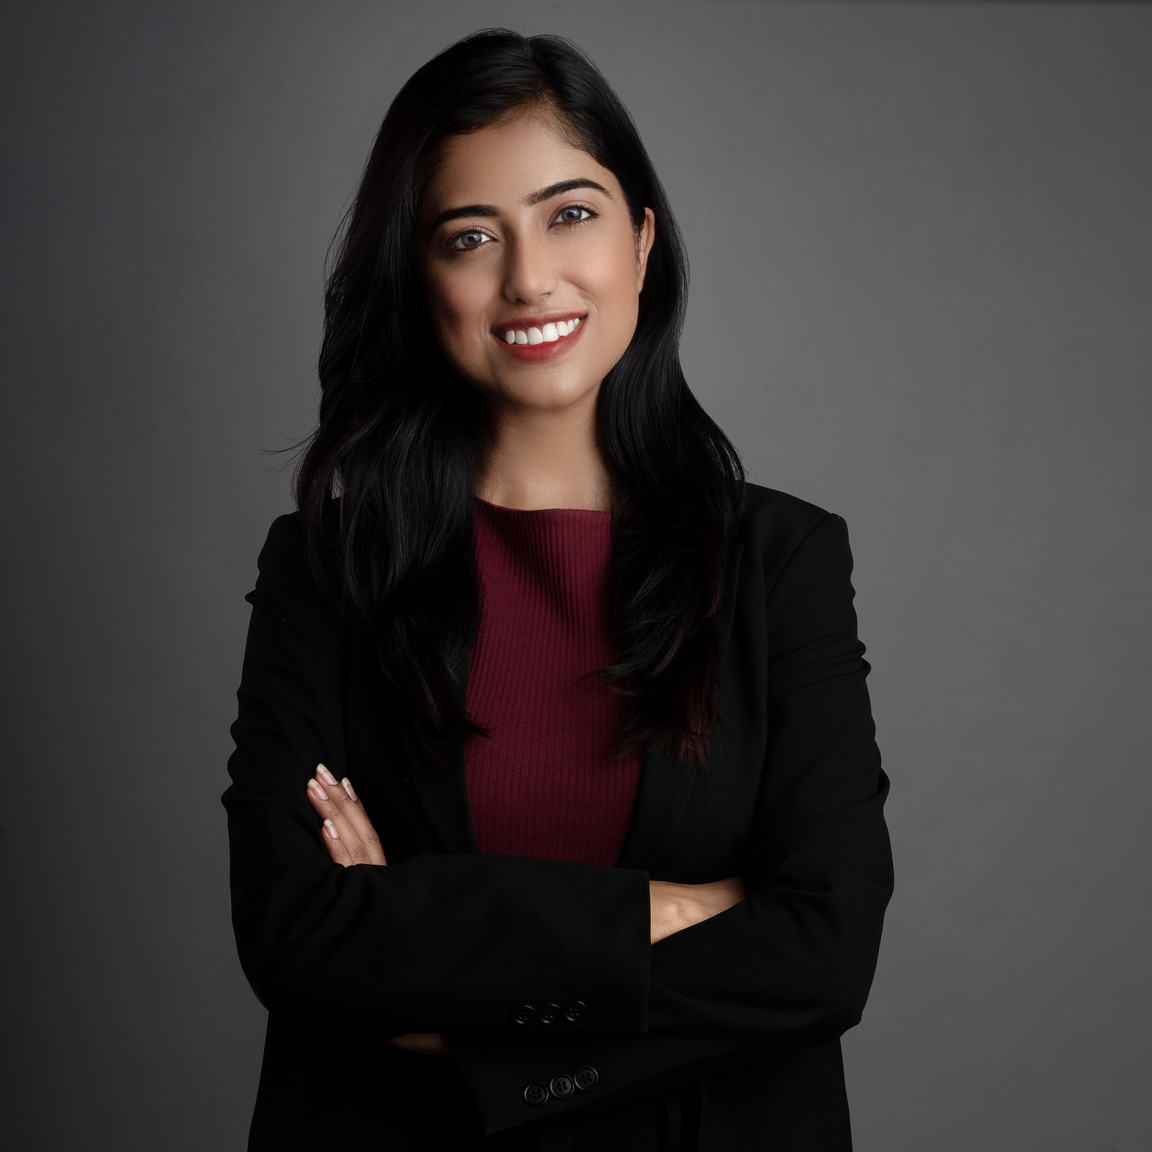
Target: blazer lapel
(444, 793)
(665, 782)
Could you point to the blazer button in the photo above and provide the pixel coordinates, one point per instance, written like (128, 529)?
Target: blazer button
(535, 1095)
(524, 1013)
(549, 1013)
(575, 1010)
(585, 1078)
(561, 1086)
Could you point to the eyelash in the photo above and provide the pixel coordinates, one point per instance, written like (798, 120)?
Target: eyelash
(450, 245)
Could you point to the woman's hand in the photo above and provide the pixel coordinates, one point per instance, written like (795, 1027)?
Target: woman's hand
(351, 839)
(675, 907)
(348, 833)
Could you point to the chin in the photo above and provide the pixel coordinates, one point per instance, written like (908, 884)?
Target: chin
(543, 392)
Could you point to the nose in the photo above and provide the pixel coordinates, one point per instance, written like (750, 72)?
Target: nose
(529, 273)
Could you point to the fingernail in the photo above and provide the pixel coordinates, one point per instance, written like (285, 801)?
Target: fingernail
(317, 789)
(330, 828)
(325, 775)
(348, 788)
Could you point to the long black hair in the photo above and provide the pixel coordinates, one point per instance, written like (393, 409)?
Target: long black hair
(385, 485)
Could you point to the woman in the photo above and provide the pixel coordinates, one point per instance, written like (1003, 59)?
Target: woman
(594, 855)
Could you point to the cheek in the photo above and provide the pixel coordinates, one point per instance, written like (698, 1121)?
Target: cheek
(615, 272)
(454, 300)
(616, 287)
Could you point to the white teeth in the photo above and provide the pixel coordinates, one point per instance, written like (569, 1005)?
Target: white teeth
(547, 335)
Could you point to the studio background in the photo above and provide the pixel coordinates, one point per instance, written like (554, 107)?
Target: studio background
(920, 250)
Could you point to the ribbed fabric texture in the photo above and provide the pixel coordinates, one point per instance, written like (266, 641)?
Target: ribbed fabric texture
(544, 783)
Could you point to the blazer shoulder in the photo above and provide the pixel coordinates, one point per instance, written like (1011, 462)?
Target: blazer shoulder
(779, 531)
(285, 579)
(284, 546)
(284, 542)
(772, 517)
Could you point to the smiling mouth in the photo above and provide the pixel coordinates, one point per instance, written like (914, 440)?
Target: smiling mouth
(537, 343)
(544, 334)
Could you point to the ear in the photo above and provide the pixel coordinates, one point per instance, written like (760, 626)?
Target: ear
(645, 238)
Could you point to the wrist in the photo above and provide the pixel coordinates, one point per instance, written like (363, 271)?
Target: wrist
(674, 907)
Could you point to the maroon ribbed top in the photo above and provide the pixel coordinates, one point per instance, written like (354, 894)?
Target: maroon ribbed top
(544, 783)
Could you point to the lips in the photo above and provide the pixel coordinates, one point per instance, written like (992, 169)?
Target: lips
(544, 349)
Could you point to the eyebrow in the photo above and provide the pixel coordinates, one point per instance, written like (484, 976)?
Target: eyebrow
(531, 199)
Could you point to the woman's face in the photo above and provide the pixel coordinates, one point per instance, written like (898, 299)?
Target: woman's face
(520, 231)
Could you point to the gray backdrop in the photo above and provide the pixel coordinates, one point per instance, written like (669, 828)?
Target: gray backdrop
(920, 243)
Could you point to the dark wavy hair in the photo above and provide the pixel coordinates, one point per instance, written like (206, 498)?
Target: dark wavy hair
(385, 484)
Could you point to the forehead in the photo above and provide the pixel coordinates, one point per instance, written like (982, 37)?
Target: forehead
(505, 162)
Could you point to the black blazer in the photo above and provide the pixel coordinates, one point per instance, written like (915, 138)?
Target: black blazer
(733, 1024)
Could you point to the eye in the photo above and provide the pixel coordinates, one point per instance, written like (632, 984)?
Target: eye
(473, 238)
(474, 233)
(591, 214)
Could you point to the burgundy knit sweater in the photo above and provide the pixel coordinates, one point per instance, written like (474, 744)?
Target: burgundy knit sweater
(544, 783)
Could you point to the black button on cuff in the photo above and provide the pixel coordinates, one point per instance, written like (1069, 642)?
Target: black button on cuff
(549, 1013)
(535, 1095)
(575, 1010)
(585, 1078)
(524, 1013)
(561, 1086)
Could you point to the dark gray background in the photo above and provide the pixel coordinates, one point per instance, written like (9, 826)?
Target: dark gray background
(920, 244)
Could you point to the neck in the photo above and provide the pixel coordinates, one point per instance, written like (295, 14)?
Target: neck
(538, 459)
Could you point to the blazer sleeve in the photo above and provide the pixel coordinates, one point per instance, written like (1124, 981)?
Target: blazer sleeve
(433, 942)
(790, 966)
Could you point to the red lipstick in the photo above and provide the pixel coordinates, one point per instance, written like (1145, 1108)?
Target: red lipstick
(533, 353)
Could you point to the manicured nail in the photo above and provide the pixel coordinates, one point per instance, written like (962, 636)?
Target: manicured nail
(330, 828)
(317, 789)
(325, 775)
(348, 788)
